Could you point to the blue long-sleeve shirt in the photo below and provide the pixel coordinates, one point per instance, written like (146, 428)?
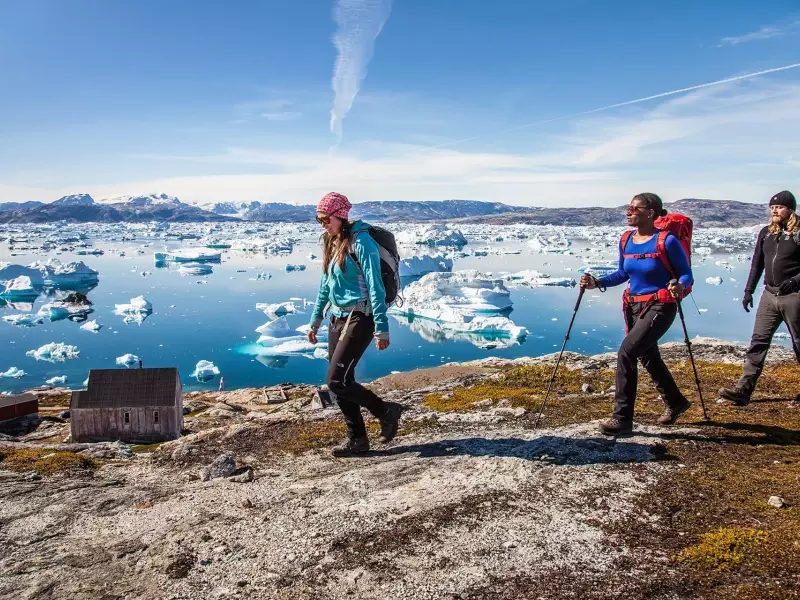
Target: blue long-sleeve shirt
(648, 275)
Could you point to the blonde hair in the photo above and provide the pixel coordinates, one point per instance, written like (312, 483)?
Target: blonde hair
(792, 226)
(336, 247)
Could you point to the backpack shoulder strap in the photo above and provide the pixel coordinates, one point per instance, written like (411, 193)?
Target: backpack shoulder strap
(623, 242)
(661, 248)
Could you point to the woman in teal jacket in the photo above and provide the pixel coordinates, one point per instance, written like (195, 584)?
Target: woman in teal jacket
(352, 288)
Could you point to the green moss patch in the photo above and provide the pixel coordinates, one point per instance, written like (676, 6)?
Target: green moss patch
(44, 462)
(722, 548)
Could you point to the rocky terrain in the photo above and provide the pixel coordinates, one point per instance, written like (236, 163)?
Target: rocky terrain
(469, 501)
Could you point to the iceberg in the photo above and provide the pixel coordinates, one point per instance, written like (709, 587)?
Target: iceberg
(57, 380)
(19, 288)
(533, 278)
(205, 370)
(25, 320)
(195, 268)
(484, 332)
(59, 309)
(714, 280)
(432, 235)
(60, 275)
(136, 311)
(92, 326)
(277, 310)
(187, 255)
(54, 352)
(421, 265)
(290, 268)
(13, 372)
(455, 297)
(127, 360)
(9, 271)
(599, 270)
(279, 339)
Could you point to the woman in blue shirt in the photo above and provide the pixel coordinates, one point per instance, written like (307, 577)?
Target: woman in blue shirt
(649, 307)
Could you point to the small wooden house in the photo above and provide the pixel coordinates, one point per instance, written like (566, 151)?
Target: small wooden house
(21, 405)
(132, 405)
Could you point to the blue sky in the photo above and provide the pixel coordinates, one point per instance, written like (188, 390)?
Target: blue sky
(454, 99)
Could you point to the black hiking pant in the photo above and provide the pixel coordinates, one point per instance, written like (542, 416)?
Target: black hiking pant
(772, 311)
(641, 344)
(345, 348)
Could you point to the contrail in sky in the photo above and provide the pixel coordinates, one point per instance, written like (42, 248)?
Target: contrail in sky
(626, 103)
(359, 22)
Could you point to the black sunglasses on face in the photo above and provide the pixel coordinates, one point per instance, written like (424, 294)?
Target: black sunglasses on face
(325, 220)
(631, 209)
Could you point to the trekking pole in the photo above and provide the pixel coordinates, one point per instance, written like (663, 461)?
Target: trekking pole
(691, 356)
(560, 354)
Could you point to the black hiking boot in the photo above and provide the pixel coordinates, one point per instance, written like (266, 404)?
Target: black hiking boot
(670, 415)
(350, 447)
(736, 395)
(615, 427)
(390, 421)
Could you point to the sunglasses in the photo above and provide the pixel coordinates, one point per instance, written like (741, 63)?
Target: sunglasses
(324, 220)
(632, 209)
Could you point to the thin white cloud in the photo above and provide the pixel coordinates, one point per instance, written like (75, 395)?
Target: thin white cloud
(281, 116)
(763, 33)
(359, 22)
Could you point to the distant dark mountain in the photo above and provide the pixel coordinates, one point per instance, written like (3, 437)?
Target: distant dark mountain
(75, 200)
(704, 213)
(430, 210)
(111, 213)
(4, 206)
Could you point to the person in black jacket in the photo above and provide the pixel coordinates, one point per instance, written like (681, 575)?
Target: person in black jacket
(777, 256)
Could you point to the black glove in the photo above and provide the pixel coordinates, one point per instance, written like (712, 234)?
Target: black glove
(747, 301)
(787, 287)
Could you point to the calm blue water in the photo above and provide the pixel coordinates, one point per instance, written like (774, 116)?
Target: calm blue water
(215, 320)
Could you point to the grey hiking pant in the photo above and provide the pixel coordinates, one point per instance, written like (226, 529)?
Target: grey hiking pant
(344, 352)
(772, 311)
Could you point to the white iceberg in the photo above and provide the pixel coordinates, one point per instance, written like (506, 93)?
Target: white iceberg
(57, 275)
(136, 311)
(59, 309)
(57, 380)
(127, 360)
(421, 265)
(195, 268)
(455, 297)
(484, 332)
(714, 280)
(92, 326)
(532, 278)
(13, 372)
(205, 370)
(279, 339)
(187, 255)
(599, 270)
(432, 235)
(20, 287)
(24, 320)
(290, 268)
(10, 271)
(54, 352)
(277, 310)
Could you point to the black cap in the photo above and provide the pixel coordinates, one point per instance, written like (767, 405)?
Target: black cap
(784, 198)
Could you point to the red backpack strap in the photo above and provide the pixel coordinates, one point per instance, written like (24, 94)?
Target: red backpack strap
(661, 245)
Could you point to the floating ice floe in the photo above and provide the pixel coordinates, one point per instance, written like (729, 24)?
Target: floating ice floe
(195, 268)
(290, 268)
(54, 352)
(187, 255)
(59, 309)
(10, 271)
(432, 235)
(25, 320)
(277, 310)
(550, 243)
(57, 380)
(92, 326)
(714, 280)
(484, 332)
(19, 288)
(65, 275)
(702, 250)
(205, 370)
(278, 338)
(127, 360)
(421, 265)
(598, 270)
(136, 311)
(533, 278)
(13, 372)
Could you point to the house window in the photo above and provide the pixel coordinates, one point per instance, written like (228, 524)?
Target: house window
(155, 417)
(126, 418)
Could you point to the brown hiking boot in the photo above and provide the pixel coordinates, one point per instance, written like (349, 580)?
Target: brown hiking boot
(615, 427)
(736, 395)
(351, 448)
(390, 421)
(670, 415)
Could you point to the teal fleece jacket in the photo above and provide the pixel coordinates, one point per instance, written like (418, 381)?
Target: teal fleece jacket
(359, 283)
